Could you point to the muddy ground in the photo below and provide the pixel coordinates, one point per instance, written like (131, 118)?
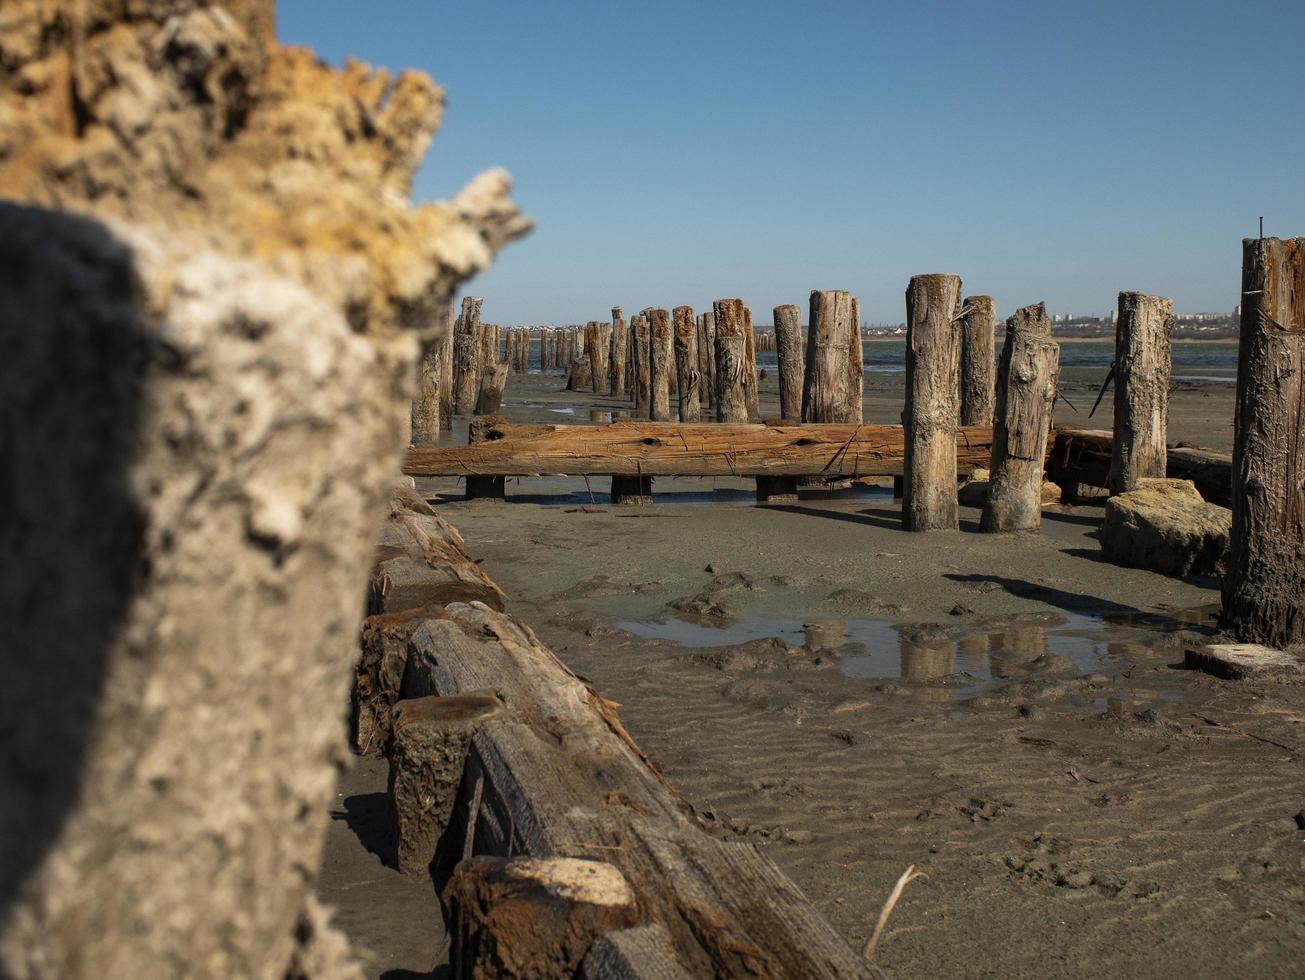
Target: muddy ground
(1006, 713)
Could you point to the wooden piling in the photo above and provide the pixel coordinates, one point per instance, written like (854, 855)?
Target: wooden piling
(1141, 370)
(493, 379)
(466, 356)
(731, 361)
(750, 363)
(425, 429)
(483, 487)
(832, 337)
(1026, 395)
(642, 387)
(617, 353)
(686, 363)
(932, 403)
(660, 365)
(789, 356)
(1264, 589)
(443, 347)
(597, 354)
(978, 324)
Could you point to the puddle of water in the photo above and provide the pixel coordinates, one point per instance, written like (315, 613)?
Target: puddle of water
(921, 656)
(563, 411)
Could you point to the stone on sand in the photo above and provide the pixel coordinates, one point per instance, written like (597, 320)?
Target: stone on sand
(1238, 661)
(1165, 526)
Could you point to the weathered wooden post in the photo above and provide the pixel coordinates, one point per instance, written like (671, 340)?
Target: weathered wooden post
(617, 353)
(579, 378)
(492, 382)
(597, 354)
(709, 334)
(660, 366)
(856, 366)
(443, 348)
(832, 338)
(466, 356)
(978, 321)
(788, 355)
(731, 361)
(932, 403)
(1264, 590)
(642, 387)
(750, 360)
(1026, 395)
(686, 364)
(1142, 368)
(425, 430)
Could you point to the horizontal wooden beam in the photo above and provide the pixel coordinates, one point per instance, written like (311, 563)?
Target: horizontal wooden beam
(639, 448)
(1083, 456)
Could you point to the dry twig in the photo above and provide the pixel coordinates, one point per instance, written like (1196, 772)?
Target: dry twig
(908, 876)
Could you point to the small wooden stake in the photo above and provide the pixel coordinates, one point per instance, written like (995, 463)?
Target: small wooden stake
(978, 360)
(731, 361)
(932, 403)
(1264, 590)
(686, 363)
(1026, 394)
(1142, 368)
(790, 360)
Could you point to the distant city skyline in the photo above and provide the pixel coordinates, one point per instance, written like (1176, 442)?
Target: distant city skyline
(678, 153)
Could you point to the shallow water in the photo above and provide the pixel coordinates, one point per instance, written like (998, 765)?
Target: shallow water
(957, 662)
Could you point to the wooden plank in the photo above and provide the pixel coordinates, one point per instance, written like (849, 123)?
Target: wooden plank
(639, 448)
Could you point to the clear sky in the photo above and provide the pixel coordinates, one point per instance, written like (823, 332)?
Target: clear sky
(674, 152)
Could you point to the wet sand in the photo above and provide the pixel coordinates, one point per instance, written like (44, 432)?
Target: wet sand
(1007, 713)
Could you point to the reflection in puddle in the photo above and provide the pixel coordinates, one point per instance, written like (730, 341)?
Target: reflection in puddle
(563, 411)
(970, 659)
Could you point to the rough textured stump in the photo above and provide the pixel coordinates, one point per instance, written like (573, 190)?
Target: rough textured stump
(532, 918)
(789, 356)
(483, 487)
(596, 351)
(704, 358)
(466, 357)
(642, 382)
(492, 382)
(709, 337)
(442, 344)
(978, 360)
(660, 366)
(1264, 590)
(617, 353)
(731, 361)
(631, 491)
(686, 364)
(1026, 394)
(832, 337)
(777, 489)
(932, 404)
(856, 366)
(428, 750)
(1141, 370)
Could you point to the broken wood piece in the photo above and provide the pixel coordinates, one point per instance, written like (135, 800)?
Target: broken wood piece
(428, 751)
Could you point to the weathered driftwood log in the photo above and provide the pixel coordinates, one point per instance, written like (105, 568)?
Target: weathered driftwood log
(932, 403)
(530, 918)
(661, 364)
(560, 778)
(686, 364)
(617, 353)
(466, 356)
(1141, 371)
(833, 339)
(731, 360)
(428, 751)
(1264, 590)
(634, 448)
(642, 953)
(978, 326)
(1026, 394)
(1081, 457)
(790, 360)
(493, 379)
(642, 382)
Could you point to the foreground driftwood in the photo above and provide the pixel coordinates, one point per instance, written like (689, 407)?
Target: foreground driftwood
(636, 448)
(210, 296)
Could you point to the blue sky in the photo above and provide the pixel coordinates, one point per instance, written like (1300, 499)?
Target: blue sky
(675, 152)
